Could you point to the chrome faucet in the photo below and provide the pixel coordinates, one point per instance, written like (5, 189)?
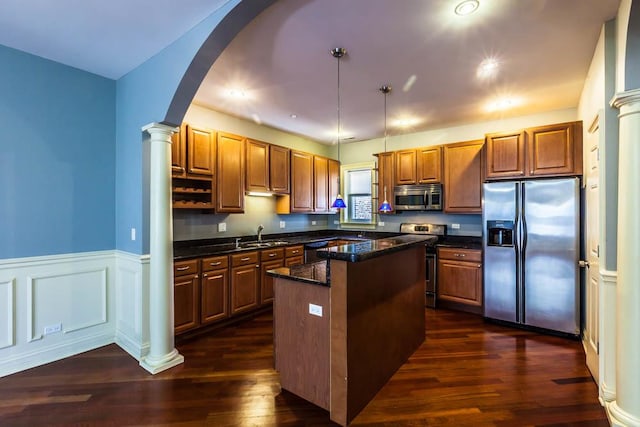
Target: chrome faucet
(260, 228)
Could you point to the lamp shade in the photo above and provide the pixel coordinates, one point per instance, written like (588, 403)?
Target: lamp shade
(338, 203)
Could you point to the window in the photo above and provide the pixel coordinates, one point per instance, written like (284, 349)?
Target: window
(357, 187)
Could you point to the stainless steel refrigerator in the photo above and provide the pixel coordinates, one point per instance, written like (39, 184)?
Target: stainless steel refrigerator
(531, 244)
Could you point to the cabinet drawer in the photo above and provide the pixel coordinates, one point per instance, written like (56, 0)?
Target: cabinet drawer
(294, 251)
(215, 263)
(471, 255)
(244, 258)
(271, 254)
(183, 268)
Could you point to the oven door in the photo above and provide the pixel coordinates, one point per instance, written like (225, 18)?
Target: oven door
(430, 280)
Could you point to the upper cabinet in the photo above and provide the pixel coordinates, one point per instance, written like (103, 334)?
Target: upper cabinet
(463, 171)
(554, 150)
(301, 182)
(179, 152)
(405, 167)
(320, 184)
(334, 182)
(267, 167)
(230, 176)
(429, 164)
(386, 175)
(200, 149)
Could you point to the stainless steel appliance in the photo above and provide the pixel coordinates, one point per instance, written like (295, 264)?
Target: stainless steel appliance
(424, 197)
(531, 253)
(439, 231)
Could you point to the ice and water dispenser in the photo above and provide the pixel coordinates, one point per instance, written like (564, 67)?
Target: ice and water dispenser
(500, 233)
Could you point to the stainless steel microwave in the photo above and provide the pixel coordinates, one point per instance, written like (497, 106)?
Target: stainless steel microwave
(423, 197)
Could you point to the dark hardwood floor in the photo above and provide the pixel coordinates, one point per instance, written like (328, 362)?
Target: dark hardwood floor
(467, 373)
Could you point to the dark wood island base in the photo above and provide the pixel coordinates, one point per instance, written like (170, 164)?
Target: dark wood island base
(372, 320)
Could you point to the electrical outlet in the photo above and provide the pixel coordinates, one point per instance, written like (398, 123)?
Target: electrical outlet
(381, 223)
(133, 234)
(336, 222)
(52, 328)
(222, 227)
(313, 223)
(455, 226)
(316, 310)
(283, 224)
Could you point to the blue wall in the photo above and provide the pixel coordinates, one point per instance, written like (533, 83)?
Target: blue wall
(57, 158)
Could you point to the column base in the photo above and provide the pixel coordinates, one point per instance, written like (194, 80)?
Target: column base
(156, 365)
(619, 417)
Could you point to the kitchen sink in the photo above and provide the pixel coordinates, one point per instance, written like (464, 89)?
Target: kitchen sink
(263, 244)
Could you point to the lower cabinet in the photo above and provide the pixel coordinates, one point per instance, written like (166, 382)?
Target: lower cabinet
(269, 259)
(245, 281)
(293, 255)
(460, 279)
(185, 295)
(214, 289)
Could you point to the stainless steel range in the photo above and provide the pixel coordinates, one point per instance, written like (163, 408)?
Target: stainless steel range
(439, 230)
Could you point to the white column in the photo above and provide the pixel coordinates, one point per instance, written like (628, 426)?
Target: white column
(625, 409)
(162, 353)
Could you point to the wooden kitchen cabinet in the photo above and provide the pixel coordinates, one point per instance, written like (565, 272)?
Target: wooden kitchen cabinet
(334, 182)
(279, 158)
(460, 279)
(320, 184)
(405, 167)
(429, 165)
(463, 177)
(214, 289)
(185, 295)
(245, 281)
(230, 173)
(553, 150)
(179, 152)
(386, 176)
(293, 255)
(269, 259)
(257, 166)
(301, 182)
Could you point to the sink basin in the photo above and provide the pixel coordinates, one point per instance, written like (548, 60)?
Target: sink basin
(263, 244)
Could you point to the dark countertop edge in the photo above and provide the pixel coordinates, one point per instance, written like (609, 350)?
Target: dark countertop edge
(462, 242)
(299, 273)
(360, 252)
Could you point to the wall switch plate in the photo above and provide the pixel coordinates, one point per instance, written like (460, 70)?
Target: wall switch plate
(381, 223)
(283, 224)
(336, 222)
(133, 234)
(222, 227)
(57, 328)
(313, 223)
(455, 226)
(316, 310)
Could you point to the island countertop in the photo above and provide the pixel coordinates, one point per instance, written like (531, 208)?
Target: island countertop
(362, 251)
(315, 273)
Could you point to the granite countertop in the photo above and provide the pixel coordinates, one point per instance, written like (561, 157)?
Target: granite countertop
(362, 251)
(315, 273)
(211, 247)
(462, 242)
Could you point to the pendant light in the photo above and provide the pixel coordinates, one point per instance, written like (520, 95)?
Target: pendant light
(338, 53)
(385, 206)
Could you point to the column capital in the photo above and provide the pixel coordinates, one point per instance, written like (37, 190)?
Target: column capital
(625, 98)
(161, 128)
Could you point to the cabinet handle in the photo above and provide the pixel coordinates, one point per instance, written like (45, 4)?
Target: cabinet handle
(204, 274)
(183, 268)
(294, 252)
(257, 265)
(195, 277)
(245, 259)
(272, 255)
(213, 264)
(219, 276)
(460, 255)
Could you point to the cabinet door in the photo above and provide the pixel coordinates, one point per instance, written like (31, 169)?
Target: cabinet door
(460, 282)
(429, 164)
(294, 260)
(405, 167)
(230, 177)
(463, 178)
(320, 184)
(301, 182)
(200, 151)
(505, 155)
(244, 287)
(279, 169)
(386, 176)
(214, 288)
(179, 152)
(334, 182)
(185, 303)
(257, 165)
(555, 150)
(266, 281)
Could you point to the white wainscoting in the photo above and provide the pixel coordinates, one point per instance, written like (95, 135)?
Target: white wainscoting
(132, 303)
(74, 291)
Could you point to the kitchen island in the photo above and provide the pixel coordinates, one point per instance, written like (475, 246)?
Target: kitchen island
(342, 327)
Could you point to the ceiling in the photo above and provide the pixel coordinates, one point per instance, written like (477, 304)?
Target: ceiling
(281, 62)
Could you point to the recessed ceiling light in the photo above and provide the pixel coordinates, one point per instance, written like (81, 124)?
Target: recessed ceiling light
(488, 68)
(235, 93)
(503, 104)
(406, 122)
(293, 116)
(467, 7)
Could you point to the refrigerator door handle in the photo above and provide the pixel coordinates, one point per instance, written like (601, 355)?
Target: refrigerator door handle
(524, 223)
